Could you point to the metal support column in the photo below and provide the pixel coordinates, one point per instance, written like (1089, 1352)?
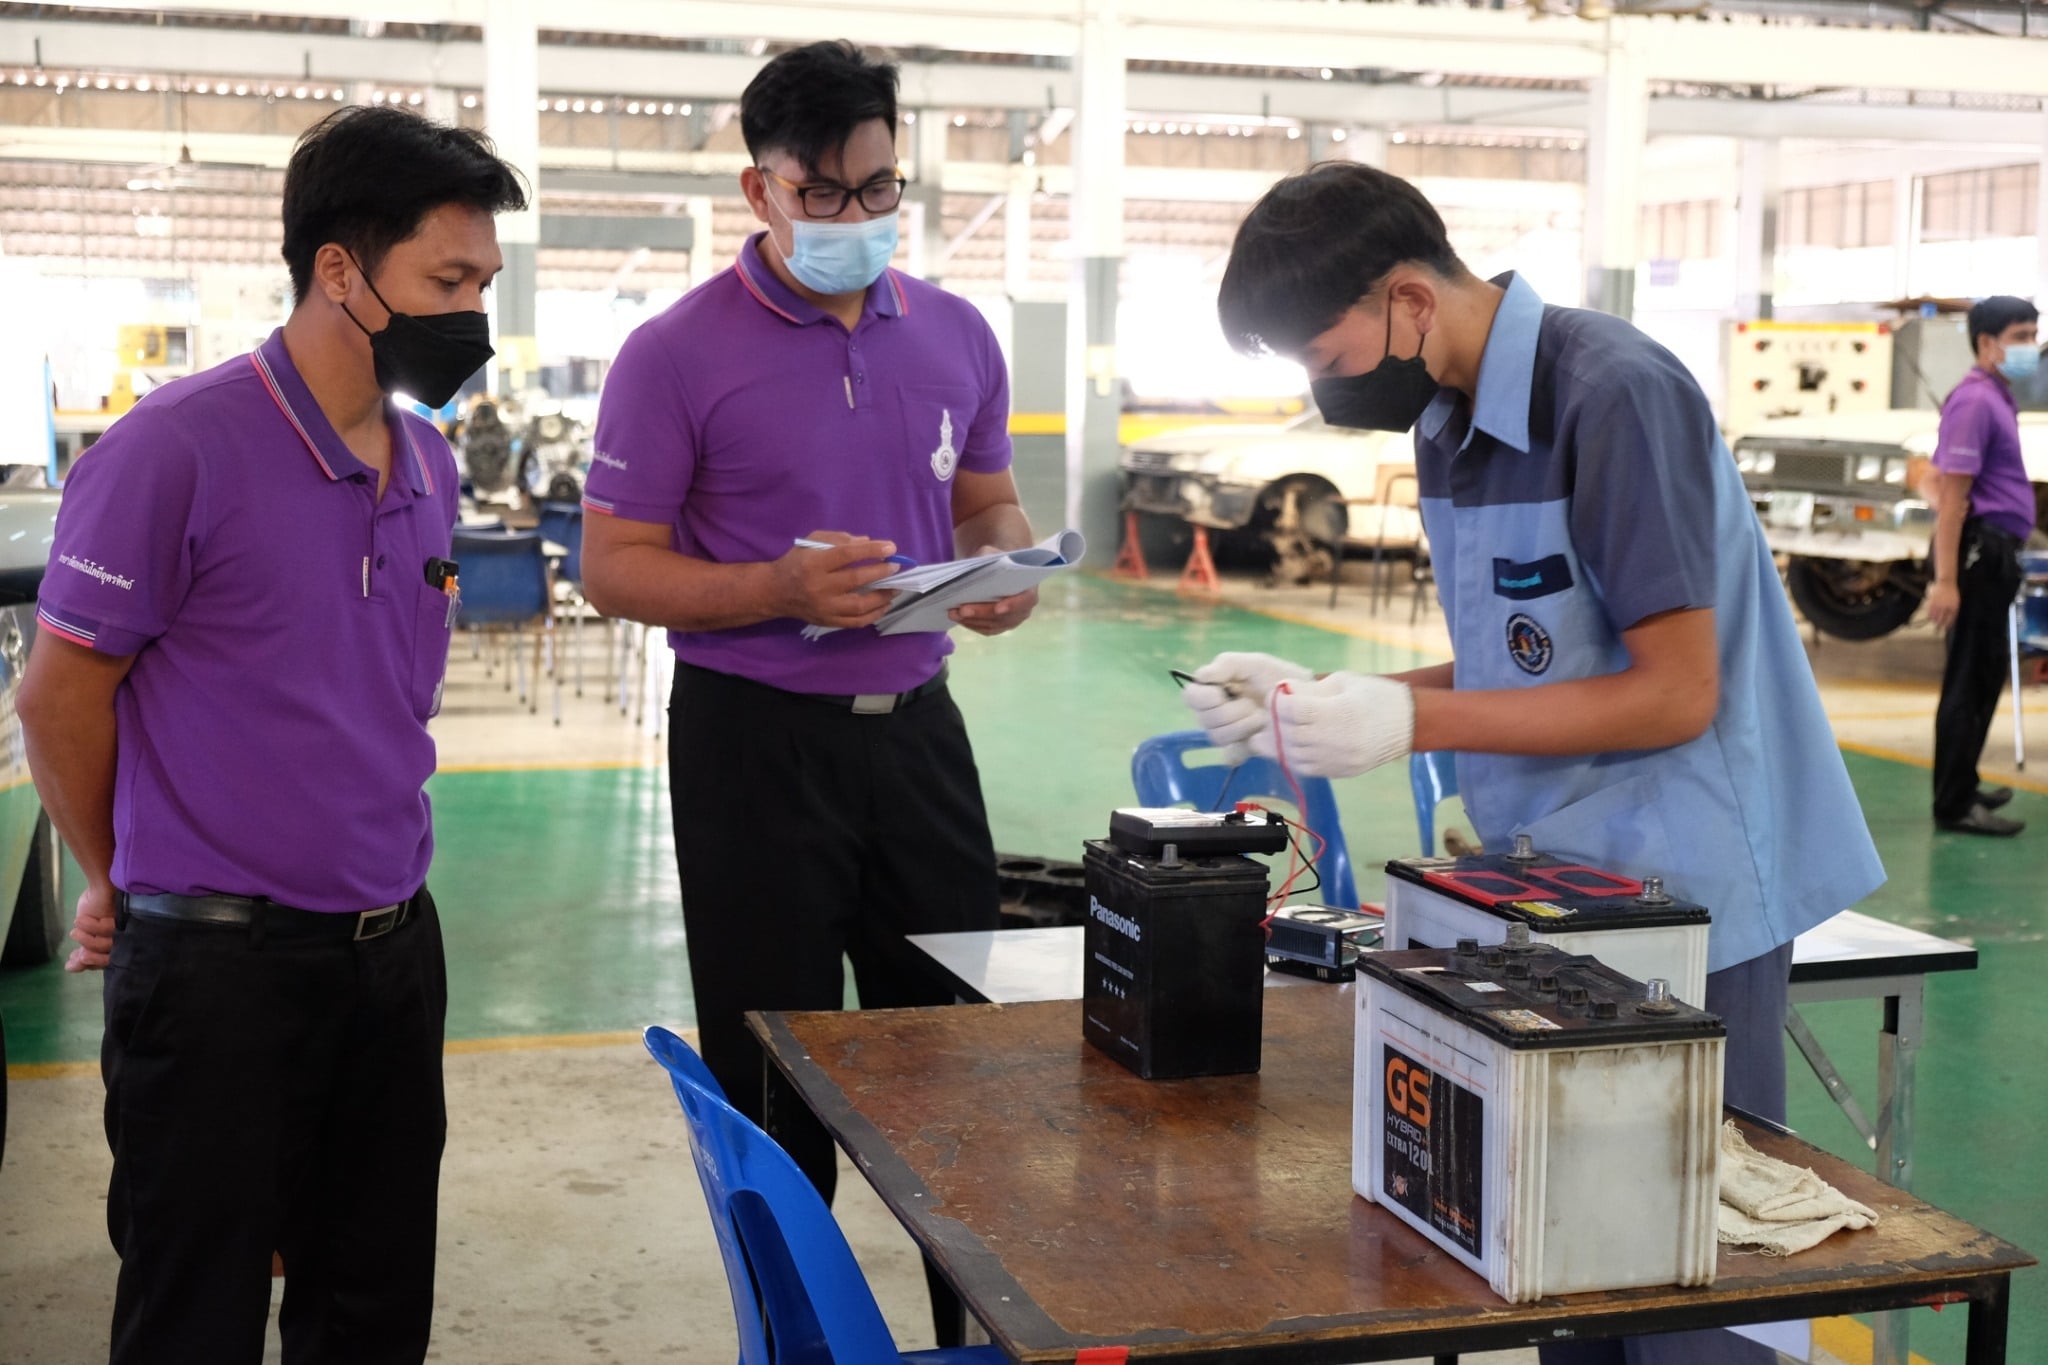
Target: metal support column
(1756, 229)
(925, 200)
(1094, 392)
(511, 84)
(1619, 126)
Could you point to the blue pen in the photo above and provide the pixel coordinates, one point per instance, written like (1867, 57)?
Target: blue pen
(904, 561)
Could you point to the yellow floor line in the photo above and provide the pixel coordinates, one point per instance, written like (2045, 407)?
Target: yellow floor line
(552, 766)
(44, 1071)
(47, 1071)
(1850, 1342)
(538, 1041)
(2025, 784)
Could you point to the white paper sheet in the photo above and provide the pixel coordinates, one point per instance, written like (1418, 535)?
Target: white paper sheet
(928, 592)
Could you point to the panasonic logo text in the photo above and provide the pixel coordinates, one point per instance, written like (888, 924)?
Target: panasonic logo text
(1112, 920)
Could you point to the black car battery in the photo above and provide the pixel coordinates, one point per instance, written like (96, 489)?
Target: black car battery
(1174, 979)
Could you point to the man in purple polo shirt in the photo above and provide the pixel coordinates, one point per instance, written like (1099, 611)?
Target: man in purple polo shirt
(1984, 512)
(243, 632)
(825, 796)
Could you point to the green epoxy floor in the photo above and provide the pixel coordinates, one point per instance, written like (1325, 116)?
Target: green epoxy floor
(557, 889)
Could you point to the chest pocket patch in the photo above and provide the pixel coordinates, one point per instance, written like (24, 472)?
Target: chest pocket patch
(1522, 582)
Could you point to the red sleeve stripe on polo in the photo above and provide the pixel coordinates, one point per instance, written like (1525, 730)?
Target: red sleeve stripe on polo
(77, 635)
(600, 505)
(277, 396)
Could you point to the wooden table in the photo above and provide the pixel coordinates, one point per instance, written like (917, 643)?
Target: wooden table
(1078, 1208)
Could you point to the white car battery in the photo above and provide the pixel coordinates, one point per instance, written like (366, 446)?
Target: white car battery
(1632, 926)
(1548, 1122)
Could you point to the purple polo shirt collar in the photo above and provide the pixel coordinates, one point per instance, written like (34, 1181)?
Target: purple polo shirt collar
(281, 380)
(885, 295)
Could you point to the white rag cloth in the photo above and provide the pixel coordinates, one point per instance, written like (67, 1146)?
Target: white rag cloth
(1777, 1207)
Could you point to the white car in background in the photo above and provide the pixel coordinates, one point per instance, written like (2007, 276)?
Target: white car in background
(1844, 500)
(1293, 490)
(33, 919)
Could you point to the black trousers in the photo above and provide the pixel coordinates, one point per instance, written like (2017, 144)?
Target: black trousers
(273, 1094)
(806, 834)
(1979, 658)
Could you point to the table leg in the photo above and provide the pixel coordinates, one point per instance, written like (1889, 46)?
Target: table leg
(1898, 1052)
(1986, 1344)
(1824, 1068)
(1898, 1049)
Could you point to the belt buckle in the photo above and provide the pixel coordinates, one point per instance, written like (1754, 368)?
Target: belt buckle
(377, 923)
(874, 703)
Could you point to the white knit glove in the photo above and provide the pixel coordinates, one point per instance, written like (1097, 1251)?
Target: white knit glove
(1229, 695)
(1340, 726)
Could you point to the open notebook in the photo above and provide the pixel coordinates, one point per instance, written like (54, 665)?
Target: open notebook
(925, 594)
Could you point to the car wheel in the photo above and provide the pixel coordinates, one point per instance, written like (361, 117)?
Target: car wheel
(1852, 600)
(1303, 521)
(39, 921)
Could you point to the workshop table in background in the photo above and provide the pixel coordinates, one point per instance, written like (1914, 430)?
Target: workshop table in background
(1076, 1207)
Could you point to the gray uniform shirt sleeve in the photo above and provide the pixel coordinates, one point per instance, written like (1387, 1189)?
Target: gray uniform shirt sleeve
(1642, 517)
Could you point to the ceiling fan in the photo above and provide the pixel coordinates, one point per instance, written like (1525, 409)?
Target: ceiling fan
(187, 172)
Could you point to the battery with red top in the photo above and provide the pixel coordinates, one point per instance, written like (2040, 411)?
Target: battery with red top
(1636, 927)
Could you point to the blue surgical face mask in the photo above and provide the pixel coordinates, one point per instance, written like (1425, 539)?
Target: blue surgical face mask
(2020, 362)
(839, 258)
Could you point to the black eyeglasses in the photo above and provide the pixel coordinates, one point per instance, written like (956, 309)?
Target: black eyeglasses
(829, 201)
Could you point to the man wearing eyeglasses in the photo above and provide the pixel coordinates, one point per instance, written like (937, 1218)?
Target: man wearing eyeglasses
(761, 449)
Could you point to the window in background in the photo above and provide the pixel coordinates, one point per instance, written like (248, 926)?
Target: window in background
(1966, 206)
(1838, 216)
(1687, 231)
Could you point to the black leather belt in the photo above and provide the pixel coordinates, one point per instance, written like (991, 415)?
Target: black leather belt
(877, 703)
(243, 912)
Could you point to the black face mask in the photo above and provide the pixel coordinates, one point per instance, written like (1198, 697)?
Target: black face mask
(1390, 396)
(426, 357)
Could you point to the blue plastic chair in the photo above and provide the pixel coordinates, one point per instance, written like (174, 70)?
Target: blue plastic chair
(506, 588)
(1434, 776)
(1162, 777)
(779, 1240)
(561, 523)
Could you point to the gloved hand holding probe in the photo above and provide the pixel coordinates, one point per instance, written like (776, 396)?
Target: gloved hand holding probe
(1228, 696)
(1339, 726)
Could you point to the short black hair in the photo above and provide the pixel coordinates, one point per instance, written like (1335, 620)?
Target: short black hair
(808, 101)
(1316, 244)
(1990, 317)
(365, 177)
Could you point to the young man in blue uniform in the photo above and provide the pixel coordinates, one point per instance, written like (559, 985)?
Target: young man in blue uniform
(1628, 685)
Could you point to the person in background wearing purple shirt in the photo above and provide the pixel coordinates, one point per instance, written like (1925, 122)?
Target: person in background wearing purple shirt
(826, 800)
(242, 636)
(1984, 512)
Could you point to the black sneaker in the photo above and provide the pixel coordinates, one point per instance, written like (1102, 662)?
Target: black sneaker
(1991, 798)
(1980, 820)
